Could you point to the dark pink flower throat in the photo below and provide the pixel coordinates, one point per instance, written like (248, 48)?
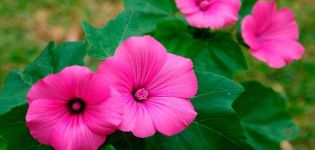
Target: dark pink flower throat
(76, 105)
(141, 94)
(203, 4)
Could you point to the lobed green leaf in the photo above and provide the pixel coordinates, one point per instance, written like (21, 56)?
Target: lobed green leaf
(139, 18)
(51, 60)
(216, 52)
(264, 117)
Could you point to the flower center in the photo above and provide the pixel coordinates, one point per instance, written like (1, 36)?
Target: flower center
(141, 94)
(203, 4)
(76, 105)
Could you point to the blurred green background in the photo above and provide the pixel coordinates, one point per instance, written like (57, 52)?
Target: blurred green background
(26, 27)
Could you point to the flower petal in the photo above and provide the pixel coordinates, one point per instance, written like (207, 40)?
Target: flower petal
(94, 90)
(283, 25)
(117, 74)
(280, 52)
(59, 86)
(226, 9)
(262, 13)
(205, 20)
(288, 50)
(104, 118)
(42, 116)
(137, 119)
(72, 133)
(187, 6)
(171, 115)
(219, 13)
(176, 79)
(144, 56)
(249, 30)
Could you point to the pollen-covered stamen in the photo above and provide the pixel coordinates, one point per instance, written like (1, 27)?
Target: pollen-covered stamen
(141, 94)
(76, 105)
(203, 4)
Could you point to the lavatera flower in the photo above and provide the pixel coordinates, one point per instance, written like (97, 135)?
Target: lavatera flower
(73, 110)
(212, 14)
(156, 86)
(272, 34)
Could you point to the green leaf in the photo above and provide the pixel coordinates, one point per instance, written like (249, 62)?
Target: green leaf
(139, 18)
(14, 91)
(152, 12)
(175, 36)
(125, 141)
(103, 42)
(108, 147)
(160, 7)
(217, 125)
(3, 145)
(54, 58)
(51, 60)
(264, 117)
(246, 7)
(15, 133)
(219, 54)
(216, 52)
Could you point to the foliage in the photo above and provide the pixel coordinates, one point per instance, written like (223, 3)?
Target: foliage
(268, 124)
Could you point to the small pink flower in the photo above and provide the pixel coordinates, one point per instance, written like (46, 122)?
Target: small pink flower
(212, 14)
(73, 110)
(272, 35)
(156, 87)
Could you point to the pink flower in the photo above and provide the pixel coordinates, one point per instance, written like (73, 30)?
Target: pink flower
(212, 14)
(272, 35)
(73, 110)
(156, 87)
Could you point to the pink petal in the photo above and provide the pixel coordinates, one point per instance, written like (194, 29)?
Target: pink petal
(175, 80)
(104, 118)
(42, 116)
(171, 115)
(71, 133)
(203, 20)
(130, 112)
(262, 13)
(260, 54)
(137, 119)
(287, 50)
(94, 89)
(283, 25)
(195, 20)
(281, 52)
(219, 14)
(249, 30)
(144, 56)
(187, 6)
(117, 74)
(227, 9)
(59, 86)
